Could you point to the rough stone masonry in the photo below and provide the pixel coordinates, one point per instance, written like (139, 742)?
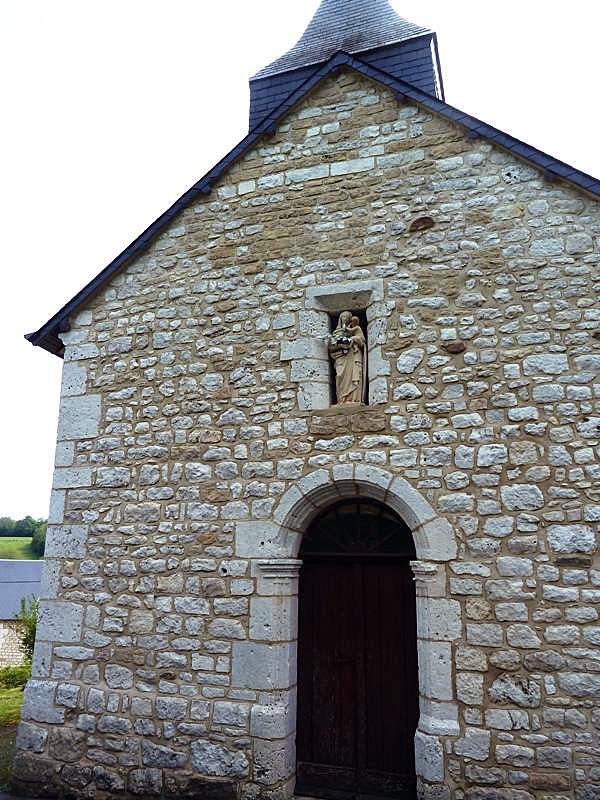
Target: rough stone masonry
(196, 441)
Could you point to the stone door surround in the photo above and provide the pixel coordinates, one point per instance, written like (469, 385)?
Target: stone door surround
(267, 663)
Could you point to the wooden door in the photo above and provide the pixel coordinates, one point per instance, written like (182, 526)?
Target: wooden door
(357, 660)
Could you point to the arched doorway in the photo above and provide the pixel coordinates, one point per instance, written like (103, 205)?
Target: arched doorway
(358, 693)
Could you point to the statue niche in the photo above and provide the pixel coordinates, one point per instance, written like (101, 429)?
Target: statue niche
(347, 348)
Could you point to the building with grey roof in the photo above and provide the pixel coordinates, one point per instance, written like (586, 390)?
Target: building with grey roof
(18, 580)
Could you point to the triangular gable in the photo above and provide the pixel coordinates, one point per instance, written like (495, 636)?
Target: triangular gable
(552, 168)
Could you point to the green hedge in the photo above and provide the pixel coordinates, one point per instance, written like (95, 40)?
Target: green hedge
(14, 677)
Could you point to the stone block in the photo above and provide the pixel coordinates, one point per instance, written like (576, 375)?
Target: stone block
(79, 417)
(72, 477)
(156, 755)
(313, 396)
(274, 761)
(59, 621)
(435, 541)
(113, 477)
(474, 744)
(142, 512)
(429, 757)
(118, 677)
(263, 666)
(275, 720)
(42, 655)
(56, 513)
(352, 166)
(410, 504)
(435, 669)
(74, 378)
(546, 364)
(50, 582)
(64, 454)
(145, 781)
(438, 718)
(307, 174)
(276, 577)
(580, 684)
(410, 360)
(262, 540)
(217, 761)
(108, 780)
(572, 539)
(516, 690)
(31, 737)
(378, 391)
(310, 369)
(515, 755)
(170, 708)
(231, 714)
(554, 757)
(336, 297)
(67, 541)
(303, 348)
(39, 705)
(80, 352)
(490, 455)
(273, 619)
(438, 619)
(522, 497)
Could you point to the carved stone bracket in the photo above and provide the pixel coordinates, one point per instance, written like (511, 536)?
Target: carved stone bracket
(277, 576)
(430, 578)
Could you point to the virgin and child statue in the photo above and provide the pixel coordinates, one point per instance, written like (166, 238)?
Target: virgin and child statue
(347, 348)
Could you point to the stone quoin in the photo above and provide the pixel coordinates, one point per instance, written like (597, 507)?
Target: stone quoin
(199, 441)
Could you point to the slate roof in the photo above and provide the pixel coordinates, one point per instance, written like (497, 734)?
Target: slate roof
(349, 25)
(18, 579)
(552, 169)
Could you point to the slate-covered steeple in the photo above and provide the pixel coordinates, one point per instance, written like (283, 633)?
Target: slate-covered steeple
(369, 29)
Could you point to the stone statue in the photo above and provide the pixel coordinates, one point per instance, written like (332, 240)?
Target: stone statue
(347, 348)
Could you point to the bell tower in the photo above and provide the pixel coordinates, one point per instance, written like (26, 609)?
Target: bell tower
(370, 30)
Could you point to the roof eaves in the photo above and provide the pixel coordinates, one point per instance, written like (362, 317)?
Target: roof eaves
(47, 335)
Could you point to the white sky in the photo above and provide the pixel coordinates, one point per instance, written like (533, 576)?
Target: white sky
(113, 108)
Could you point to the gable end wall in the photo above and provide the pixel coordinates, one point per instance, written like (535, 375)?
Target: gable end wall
(189, 433)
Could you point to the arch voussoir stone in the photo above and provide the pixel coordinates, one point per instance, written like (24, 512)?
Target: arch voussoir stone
(434, 537)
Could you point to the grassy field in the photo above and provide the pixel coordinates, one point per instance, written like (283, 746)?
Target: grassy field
(11, 701)
(16, 547)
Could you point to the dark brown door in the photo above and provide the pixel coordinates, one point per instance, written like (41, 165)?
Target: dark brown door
(358, 697)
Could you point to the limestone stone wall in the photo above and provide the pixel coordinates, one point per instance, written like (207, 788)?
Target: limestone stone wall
(194, 445)
(10, 645)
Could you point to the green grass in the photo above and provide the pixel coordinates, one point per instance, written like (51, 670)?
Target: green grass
(11, 701)
(16, 547)
(7, 755)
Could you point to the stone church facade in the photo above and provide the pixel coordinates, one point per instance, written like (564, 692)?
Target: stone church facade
(199, 440)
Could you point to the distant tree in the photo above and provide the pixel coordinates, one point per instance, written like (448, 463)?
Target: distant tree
(28, 526)
(24, 527)
(27, 623)
(38, 540)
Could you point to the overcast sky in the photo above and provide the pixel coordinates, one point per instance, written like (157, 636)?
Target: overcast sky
(113, 108)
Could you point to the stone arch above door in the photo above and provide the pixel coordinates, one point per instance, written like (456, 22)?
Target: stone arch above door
(272, 546)
(434, 537)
